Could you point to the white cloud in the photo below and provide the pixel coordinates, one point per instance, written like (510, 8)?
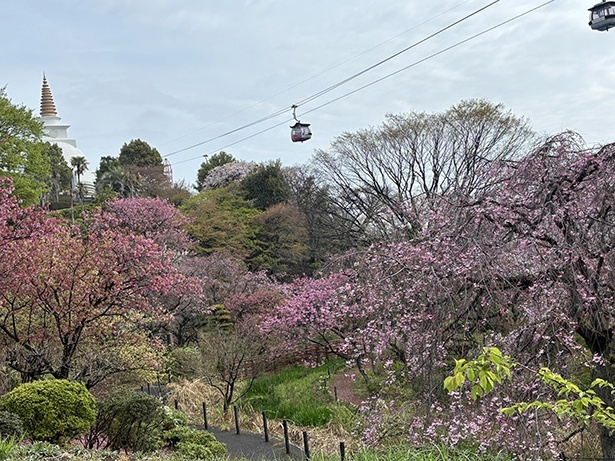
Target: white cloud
(164, 70)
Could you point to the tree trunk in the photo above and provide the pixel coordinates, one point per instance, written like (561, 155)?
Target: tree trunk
(361, 369)
(607, 442)
(607, 436)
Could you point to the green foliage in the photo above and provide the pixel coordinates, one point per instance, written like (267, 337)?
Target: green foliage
(220, 318)
(222, 220)
(139, 153)
(53, 411)
(193, 443)
(130, 420)
(106, 163)
(10, 424)
(221, 158)
(280, 242)
(119, 180)
(79, 165)
(267, 186)
(37, 450)
(173, 419)
(582, 405)
(483, 373)
(60, 173)
(21, 150)
(7, 446)
(294, 394)
(491, 368)
(185, 362)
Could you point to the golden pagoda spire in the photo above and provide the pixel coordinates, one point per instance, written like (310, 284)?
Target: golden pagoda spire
(48, 108)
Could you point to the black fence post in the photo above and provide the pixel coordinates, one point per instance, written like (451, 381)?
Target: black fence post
(342, 451)
(335, 392)
(205, 416)
(265, 427)
(286, 440)
(176, 404)
(236, 411)
(148, 390)
(306, 445)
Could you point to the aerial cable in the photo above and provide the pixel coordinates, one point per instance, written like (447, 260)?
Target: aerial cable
(490, 29)
(337, 85)
(414, 45)
(260, 120)
(429, 57)
(234, 143)
(320, 73)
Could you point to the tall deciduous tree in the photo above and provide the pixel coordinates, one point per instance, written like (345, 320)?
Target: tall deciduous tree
(153, 218)
(556, 215)
(380, 175)
(21, 150)
(227, 357)
(329, 228)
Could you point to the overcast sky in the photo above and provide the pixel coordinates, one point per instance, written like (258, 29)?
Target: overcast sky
(176, 73)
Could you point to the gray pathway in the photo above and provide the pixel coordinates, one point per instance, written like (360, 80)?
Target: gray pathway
(254, 447)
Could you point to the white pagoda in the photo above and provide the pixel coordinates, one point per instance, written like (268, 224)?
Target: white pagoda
(57, 133)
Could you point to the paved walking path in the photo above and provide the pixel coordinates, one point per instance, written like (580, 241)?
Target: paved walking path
(254, 447)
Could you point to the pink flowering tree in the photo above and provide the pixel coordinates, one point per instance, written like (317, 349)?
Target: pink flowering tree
(153, 218)
(525, 264)
(66, 297)
(325, 312)
(16, 222)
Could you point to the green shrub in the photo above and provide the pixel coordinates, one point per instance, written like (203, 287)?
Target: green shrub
(193, 443)
(10, 424)
(129, 420)
(173, 418)
(193, 450)
(53, 411)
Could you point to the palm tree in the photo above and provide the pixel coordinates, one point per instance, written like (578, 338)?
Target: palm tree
(79, 164)
(121, 180)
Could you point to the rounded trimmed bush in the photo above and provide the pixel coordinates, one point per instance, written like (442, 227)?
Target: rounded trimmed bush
(10, 425)
(52, 410)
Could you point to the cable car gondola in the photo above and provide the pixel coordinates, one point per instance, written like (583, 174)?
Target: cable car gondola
(299, 132)
(602, 15)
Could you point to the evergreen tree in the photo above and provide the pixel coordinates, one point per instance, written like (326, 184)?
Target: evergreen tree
(139, 153)
(21, 150)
